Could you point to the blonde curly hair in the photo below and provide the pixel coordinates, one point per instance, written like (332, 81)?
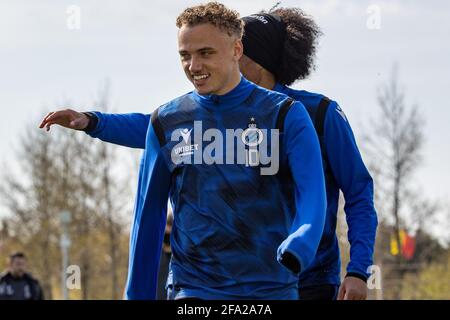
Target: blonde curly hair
(214, 13)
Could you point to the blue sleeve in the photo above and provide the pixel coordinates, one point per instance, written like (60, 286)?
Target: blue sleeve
(302, 149)
(353, 178)
(149, 222)
(127, 130)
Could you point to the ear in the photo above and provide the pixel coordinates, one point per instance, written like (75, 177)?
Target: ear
(238, 49)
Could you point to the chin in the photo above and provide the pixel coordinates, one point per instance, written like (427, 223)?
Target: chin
(204, 91)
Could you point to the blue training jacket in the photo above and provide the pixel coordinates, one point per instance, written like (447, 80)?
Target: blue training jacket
(232, 225)
(344, 170)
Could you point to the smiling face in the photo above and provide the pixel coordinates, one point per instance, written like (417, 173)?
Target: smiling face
(210, 58)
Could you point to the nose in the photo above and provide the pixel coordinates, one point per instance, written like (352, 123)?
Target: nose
(195, 65)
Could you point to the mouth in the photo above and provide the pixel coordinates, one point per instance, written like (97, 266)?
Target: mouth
(200, 79)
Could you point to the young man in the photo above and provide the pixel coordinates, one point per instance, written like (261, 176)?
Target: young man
(16, 283)
(279, 49)
(246, 221)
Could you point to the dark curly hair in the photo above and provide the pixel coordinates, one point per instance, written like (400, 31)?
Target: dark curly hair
(215, 13)
(300, 46)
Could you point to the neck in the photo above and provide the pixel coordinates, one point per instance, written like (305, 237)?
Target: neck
(235, 78)
(267, 80)
(17, 275)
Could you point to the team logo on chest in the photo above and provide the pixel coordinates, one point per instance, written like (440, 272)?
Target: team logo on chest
(252, 136)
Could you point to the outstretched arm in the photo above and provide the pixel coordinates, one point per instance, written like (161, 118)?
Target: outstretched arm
(123, 129)
(129, 129)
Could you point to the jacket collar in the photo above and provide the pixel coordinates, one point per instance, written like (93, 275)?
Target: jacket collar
(280, 88)
(231, 99)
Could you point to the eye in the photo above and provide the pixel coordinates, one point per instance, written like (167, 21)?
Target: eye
(184, 56)
(206, 54)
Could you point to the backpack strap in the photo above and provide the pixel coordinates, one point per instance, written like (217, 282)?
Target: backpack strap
(319, 125)
(282, 114)
(319, 122)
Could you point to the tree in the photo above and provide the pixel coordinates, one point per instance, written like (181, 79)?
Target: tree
(394, 148)
(67, 170)
(112, 199)
(30, 196)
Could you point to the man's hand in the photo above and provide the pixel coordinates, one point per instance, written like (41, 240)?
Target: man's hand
(67, 118)
(352, 288)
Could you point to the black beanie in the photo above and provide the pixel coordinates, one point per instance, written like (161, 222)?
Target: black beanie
(263, 40)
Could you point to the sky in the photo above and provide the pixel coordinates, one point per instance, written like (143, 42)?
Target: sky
(47, 58)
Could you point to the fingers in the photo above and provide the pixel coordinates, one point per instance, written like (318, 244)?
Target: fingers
(49, 124)
(359, 296)
(48, 115)
(353, 295)
(52, 118)
(58, 117)
(45, 119)
(352, 289)
(341, 292)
